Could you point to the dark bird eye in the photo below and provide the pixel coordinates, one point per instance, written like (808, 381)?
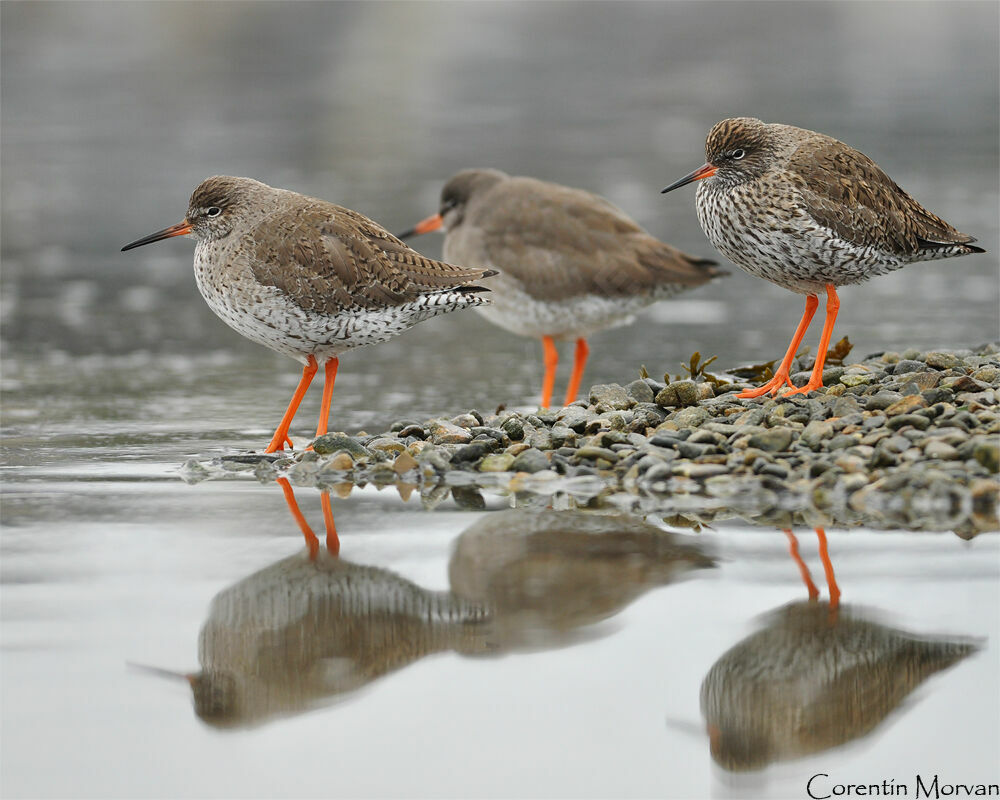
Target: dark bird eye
(738, 154)
(214, 211)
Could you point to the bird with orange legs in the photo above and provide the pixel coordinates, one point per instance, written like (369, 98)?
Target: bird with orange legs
(809, 213)
(310, 279)
(571, 264)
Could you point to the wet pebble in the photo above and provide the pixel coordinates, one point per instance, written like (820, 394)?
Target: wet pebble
(530, 460)
(610, 396)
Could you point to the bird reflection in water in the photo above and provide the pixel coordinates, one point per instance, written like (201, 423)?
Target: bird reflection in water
(547, 575)
(816, 676)
(314, 627)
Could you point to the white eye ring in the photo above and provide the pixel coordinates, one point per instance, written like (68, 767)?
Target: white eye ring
(214, 211)
(738, 154)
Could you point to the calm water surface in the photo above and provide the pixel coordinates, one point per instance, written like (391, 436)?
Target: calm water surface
(465, 654)
(452, 653)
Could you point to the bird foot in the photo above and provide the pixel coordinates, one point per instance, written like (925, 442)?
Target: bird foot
(277, 444)
(809, 387)
(777, 382)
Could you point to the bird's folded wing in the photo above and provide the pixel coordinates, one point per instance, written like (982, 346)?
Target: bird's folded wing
(565, 243)
(333, 259)
(847, 192)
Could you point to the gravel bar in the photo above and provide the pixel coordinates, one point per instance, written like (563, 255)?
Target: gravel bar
(910, 440)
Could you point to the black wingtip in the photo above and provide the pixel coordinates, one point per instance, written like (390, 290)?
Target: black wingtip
(710, 267)
(934, 244)
(489, 273)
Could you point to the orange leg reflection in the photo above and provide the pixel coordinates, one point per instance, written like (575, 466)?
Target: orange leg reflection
(824, 557)
(793, 549)
(332, 540)
(831, 580)
(312, 541)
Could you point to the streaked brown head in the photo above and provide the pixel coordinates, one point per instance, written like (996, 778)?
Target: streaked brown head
(219, 204)
(737, 150)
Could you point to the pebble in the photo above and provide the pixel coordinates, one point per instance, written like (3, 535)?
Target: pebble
(678, 393)
(330, 443)
(690, 417)
(386, 445)
(404, 463)
(610, 396)
(592, 453)
(772, 440)
(497, 462)
(341, 461)
(445, 432)
(513, 427)
(942, 360)
(640, 391)
(916, 420)
(530, 460)
(573, 417)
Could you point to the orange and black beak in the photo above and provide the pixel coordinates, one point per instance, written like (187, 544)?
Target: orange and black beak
(424, 226)
(179, 229)
(704, 171)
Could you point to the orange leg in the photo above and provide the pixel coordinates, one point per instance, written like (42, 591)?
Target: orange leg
(580, 361)
(332, 540)
(324, 409)
(831, 580)
(281, 435)
(781, 376)
(832, 307)
(551, 360)
(311, 541)
(793, 549)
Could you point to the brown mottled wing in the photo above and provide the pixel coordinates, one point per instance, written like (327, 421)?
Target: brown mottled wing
(331, 259)
(846, 191)
(560, 242)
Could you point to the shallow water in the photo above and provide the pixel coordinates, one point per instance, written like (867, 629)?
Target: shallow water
(574, 674)
(579, 673)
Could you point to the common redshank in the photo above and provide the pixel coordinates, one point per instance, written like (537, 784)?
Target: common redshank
(308, 278)
(809, 213)
(570, 262)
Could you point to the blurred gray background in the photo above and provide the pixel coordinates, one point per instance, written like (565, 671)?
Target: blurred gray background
(113, 112)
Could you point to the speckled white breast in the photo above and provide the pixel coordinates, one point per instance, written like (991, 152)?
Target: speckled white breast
(770, 235)
(267, 316)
